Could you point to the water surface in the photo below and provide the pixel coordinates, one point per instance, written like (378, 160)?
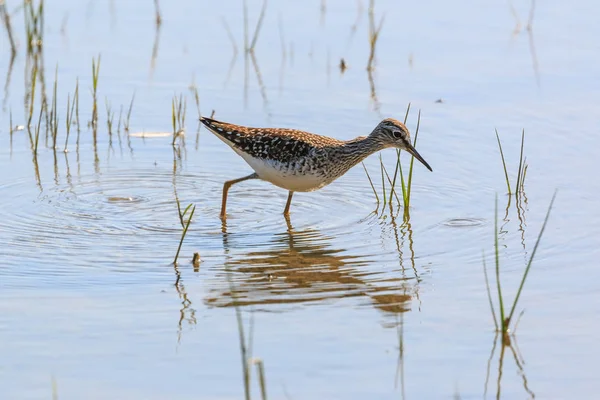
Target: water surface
(345, 300)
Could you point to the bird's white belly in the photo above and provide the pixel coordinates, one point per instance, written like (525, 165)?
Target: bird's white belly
(279, 175)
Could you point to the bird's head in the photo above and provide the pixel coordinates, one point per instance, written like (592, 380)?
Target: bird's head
(393, 133)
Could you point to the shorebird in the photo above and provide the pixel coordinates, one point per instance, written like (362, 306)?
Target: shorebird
(300, 161)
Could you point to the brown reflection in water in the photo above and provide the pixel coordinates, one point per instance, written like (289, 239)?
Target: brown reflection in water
(302, 267)
(235, 51)
(374, 31)
(36, 169)
(509, 341)
(529, 29)
(158, 21)
(7, 82)
(521, 207)
(186, 312)
(400, 364)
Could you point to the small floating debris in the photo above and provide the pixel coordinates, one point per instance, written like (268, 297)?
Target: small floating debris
(118, 199)
(196, 261)
(343, 66)
(440, 101)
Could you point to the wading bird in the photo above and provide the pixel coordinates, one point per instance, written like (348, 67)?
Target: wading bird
(300, 161)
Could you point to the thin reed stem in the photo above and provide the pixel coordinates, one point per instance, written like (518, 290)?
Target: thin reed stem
(518, 184)
(489, 293)
(129, 112)
(370, 182)
(258, 26)
(412, 161)
(390, 182)
(397, 169)
(185, 229)
(32, 98)
(382, 180)
(261, 378)
(503, 162)
(496, 250)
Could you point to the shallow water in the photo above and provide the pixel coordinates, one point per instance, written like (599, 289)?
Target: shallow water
(346, 300)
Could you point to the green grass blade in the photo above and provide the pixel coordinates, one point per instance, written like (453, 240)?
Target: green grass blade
(503, 162)
(371, 182)
(524, 174)
(406, 115)
(391, 183)
(519, 182)
(129, 112)
(489, 293)
(37, 131)
(496, 250)
(187, 225)
(396, 169)
(404, 198)
(528, 267)
(381, 167)
(174, 119)
(33, 82)
(412, 159)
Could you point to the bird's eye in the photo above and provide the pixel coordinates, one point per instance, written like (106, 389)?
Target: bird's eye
(397, 134)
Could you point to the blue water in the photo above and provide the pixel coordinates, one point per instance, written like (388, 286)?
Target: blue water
(90, 300)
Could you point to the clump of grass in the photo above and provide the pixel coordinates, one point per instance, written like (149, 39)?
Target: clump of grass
(522, 166)
(503, 322)
(178, 110)
(405, 182)
(185, 224)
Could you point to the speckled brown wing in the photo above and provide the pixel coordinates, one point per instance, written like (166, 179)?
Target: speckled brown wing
(278, 144)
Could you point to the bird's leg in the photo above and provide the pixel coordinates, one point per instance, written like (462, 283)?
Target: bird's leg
(286, 212)
(226, 187)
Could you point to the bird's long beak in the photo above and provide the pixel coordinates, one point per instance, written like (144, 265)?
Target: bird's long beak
(416, 155)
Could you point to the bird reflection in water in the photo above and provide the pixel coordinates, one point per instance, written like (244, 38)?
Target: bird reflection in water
(303, 267)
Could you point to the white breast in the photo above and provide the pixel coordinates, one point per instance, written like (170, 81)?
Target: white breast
(279, 175)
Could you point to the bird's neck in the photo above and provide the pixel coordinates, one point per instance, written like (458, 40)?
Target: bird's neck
(360, 148)
(350, 153)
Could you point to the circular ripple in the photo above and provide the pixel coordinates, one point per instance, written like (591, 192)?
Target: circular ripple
(464, 222)
(93, 219)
